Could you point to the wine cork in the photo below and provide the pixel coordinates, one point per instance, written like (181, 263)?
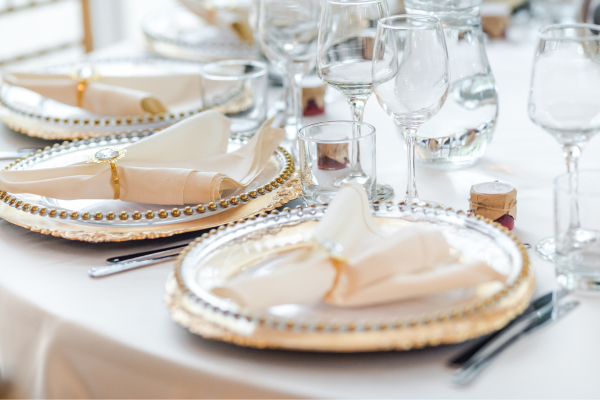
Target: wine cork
(494, 200)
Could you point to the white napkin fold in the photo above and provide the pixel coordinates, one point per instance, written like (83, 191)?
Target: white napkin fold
(234, 19)
(114, 95)
(380, 268)
(186, 163)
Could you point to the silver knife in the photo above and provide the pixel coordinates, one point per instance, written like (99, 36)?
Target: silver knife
(549, 313)
(127, 266)
(10, 155)
(551, 297)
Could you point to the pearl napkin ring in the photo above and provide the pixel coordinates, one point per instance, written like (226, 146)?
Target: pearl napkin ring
(83, 74)
(111, 156)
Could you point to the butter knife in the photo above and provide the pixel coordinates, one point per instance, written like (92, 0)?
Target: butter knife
(552, 297)
(546, 315)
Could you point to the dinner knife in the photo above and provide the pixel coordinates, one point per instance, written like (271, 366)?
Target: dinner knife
(112, 269)
(548, 314)
(534, 306)
(144, 255)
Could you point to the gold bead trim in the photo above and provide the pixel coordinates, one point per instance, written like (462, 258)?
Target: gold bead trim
(285, 174)
(324, 326)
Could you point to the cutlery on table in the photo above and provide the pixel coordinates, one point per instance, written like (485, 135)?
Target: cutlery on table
(549, 313)
(136, 260)
(537, 304)
(145, 255)
(123, 266)
(13, 155)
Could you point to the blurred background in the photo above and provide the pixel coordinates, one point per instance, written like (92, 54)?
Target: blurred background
(49, 31)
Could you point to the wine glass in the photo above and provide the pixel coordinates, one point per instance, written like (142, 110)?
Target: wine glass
(344, 61)
(411, 77)
(564, 100)
(288, 31)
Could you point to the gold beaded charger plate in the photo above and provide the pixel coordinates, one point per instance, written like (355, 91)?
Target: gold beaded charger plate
(115, 220)
(28, 112)
(429, 321)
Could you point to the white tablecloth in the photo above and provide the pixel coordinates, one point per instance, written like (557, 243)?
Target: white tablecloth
(63, 334)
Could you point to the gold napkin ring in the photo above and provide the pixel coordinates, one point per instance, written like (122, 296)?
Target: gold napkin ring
(83, 74)
(111, 156)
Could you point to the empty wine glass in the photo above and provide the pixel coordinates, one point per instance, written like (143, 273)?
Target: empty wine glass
(411, 78)
(344, 61)
(564, 99)
(288, 31)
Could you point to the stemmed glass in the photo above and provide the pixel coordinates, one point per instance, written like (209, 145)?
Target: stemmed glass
(288, 31)
(411, 77)
(564, 99)
(344, 61)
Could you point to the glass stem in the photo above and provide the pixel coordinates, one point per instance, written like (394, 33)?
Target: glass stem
(357, 106)
(572, 154)
(411, 188)
(296, 84)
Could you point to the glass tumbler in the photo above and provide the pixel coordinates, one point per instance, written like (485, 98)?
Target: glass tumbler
(238, 89)
(327, 152)
(577, 230)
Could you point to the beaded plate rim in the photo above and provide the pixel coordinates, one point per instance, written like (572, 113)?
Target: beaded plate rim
(219, 316)
(12, 200)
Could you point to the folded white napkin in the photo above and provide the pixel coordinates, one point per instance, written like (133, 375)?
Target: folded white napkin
(114, 95)
(186, 163)
(234, 19)
(415, 261)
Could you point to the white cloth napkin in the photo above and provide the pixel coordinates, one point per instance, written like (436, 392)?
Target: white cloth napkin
(114, 95)
(380, 268)
(186, 163)
(234, 19)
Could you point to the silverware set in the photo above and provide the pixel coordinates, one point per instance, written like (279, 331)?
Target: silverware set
(128, 262)
(541, 312)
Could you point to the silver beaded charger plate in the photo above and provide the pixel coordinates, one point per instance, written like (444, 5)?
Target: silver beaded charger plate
(115, 220)
(32, 114)
(429, 321)
(179, 33)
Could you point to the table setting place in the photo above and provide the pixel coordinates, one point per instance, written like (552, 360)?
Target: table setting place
(223, 141)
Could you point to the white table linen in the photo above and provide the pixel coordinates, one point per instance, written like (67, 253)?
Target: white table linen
(63, 334)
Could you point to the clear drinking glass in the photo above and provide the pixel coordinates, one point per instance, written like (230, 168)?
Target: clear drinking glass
(344, 60)
(238, 89)
(411, 77)
(326, 151)
(288, 31)
(577, 250)
(564, 97)
(460, 133)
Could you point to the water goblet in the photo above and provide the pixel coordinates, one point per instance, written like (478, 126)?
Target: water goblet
(411, 77)
(563, 98)
(288, 32)
(344, 61)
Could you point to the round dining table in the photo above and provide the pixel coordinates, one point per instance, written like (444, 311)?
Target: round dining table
(66, 335)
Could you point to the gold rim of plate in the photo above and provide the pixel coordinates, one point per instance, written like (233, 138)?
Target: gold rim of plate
(61, 223)
(454, 325)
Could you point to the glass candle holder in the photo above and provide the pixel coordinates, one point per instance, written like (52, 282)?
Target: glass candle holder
(238, 89)
(328, 151)
(577, 230)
